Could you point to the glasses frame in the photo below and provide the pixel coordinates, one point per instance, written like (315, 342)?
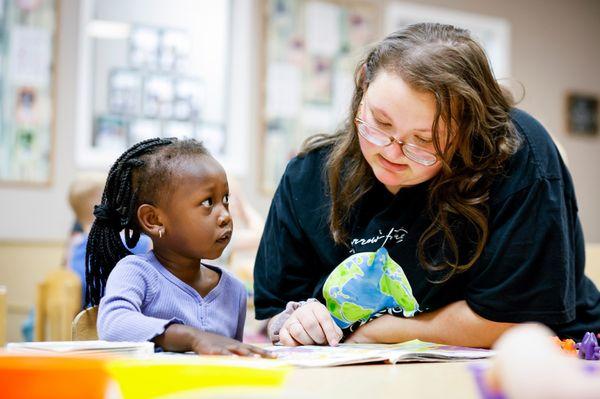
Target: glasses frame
(360, 122)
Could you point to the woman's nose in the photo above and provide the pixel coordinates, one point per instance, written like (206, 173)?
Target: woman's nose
(394, 150)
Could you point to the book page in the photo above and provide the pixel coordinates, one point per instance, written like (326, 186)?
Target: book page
(344, 354)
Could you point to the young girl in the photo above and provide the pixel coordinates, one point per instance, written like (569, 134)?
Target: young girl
(177, 194)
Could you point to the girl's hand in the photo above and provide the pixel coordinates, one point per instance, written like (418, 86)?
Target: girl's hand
(181, 338)
(205, 343)
(311, 324)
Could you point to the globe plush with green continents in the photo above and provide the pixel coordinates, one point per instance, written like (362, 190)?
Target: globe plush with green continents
(364, 284)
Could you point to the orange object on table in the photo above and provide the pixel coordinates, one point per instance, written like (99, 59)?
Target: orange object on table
(35, 376)
(567, 345)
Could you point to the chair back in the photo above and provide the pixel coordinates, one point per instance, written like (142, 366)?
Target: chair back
(83, 327)
(58, 301)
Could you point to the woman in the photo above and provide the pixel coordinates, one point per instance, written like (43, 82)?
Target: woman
(464, 195)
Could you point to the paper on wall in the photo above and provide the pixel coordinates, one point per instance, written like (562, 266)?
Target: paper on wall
(284, 90)
(30, 55)
(322, 27)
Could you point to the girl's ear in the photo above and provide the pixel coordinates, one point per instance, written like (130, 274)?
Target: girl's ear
(149, 218)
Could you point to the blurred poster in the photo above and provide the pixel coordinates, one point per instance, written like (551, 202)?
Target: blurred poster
(322, 25)
(28, 5)
(26, 106)
(110, 133)
(124, 92)
(284, 90)
(144, 47)
(143, 129)
(158, 97)
(30, 55)
(319, 80)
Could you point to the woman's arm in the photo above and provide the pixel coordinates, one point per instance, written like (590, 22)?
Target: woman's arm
(454, 324)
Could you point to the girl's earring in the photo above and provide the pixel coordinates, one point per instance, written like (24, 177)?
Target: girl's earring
(161, 232)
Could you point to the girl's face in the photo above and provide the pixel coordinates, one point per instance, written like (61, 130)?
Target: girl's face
(391, 106)
(196, 215)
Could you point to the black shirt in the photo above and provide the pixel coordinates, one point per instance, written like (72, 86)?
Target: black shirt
(531, 268)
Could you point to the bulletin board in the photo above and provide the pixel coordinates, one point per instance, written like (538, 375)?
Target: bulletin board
(27, 64)
(311, 49)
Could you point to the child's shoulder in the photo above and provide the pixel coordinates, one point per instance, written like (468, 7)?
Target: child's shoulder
(140, 264)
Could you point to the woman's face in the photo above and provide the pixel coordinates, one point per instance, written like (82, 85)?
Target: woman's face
(391, 106)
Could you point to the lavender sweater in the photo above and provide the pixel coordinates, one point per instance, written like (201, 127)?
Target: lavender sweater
(142, 298)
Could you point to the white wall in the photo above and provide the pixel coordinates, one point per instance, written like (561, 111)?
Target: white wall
(554, 50)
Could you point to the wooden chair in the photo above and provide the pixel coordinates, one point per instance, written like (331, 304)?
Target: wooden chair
(592, 262)
(58, 301)
(2, 315)
(83, 327)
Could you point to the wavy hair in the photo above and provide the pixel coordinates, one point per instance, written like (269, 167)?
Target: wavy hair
(445, 61)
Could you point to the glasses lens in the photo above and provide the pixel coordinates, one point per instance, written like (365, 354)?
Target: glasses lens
(373, 135)
(419, 155)
(412, 152)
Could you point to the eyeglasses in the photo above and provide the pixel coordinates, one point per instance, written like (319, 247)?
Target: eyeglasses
(377, 137)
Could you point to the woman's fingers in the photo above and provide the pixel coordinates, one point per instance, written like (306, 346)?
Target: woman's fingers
(332, 332)
(297, 331)
(310, 323)
(285, 338)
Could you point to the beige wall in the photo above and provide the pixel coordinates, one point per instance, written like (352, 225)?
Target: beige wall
(22, 266)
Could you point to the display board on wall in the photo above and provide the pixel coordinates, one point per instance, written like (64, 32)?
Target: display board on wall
(311, 51)
(311, 48)
(27, 64)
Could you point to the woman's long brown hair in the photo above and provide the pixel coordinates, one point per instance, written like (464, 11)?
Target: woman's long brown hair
(446, 62)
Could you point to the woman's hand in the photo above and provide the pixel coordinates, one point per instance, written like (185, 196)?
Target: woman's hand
(181, 338)
(310, 324)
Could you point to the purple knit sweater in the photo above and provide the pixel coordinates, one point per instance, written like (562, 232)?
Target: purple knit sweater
(142, 298)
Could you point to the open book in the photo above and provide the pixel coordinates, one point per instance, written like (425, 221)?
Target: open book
(344, 354)
(134, 349)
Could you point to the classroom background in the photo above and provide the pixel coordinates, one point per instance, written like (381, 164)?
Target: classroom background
(80, 80)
